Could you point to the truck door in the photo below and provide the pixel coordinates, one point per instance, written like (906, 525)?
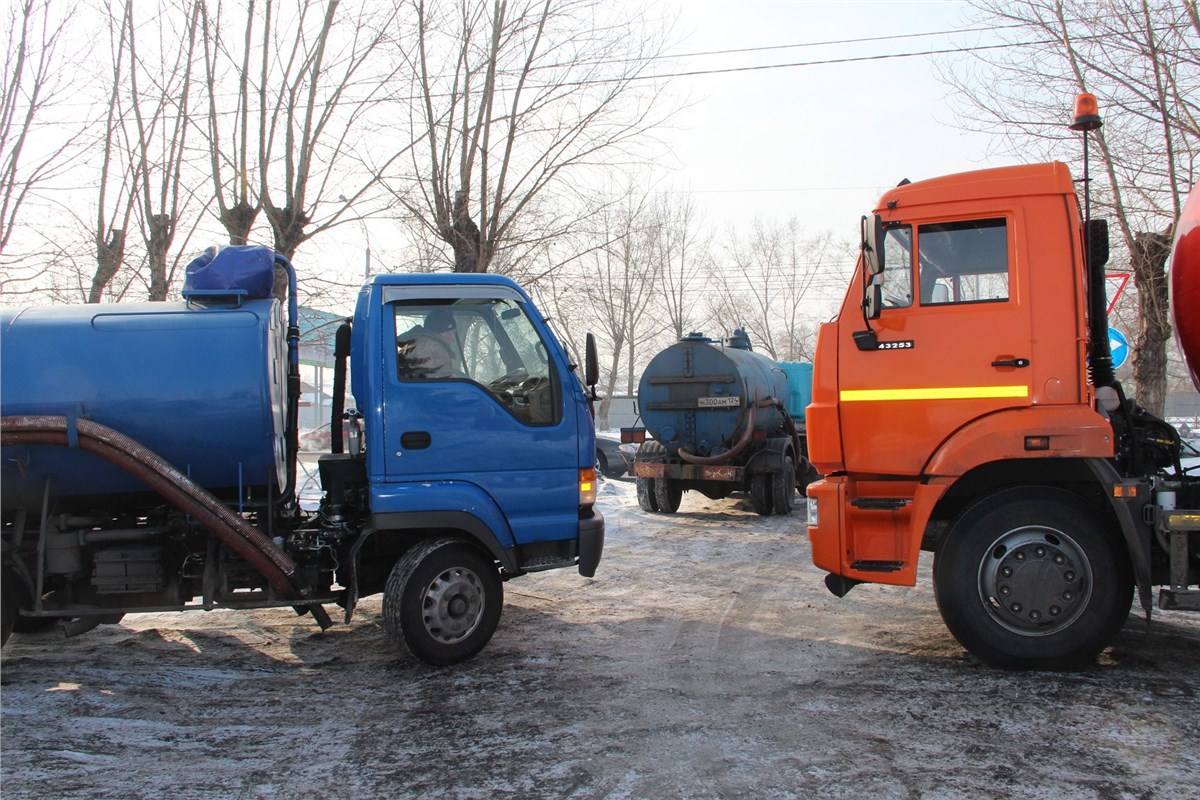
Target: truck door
(952, 343)
(474, 407)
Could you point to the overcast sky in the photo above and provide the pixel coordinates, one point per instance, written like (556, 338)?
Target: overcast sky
(822, 141)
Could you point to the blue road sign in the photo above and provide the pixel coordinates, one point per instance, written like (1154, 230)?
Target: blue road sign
(1119, 346)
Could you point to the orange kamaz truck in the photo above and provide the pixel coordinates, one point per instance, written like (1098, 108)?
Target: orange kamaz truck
(964, 404)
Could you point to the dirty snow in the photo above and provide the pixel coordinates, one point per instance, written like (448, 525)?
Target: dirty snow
(705, 659)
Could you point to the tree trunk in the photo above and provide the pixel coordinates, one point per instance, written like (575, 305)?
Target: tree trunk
(237, 220)
(1149, 259)
(464, 237)
(109, 256)
(159, 242)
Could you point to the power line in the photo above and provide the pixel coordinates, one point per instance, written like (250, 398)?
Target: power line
(859, 40)
(821, 62)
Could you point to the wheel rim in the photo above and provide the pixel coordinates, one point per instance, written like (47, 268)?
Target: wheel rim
(1035, 581)
(453, 605)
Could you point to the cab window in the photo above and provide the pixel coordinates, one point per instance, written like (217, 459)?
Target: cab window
(963, 262)
(896, 279)
(489, 341)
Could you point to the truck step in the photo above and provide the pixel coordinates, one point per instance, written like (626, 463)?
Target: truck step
(1179, 599)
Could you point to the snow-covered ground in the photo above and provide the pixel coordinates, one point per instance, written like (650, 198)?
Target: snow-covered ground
(705, 659)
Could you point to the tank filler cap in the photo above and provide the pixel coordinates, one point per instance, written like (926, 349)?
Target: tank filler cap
(695, 336)
(740, 340)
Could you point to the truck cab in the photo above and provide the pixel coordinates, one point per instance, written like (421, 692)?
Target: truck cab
(954, 412)
(497, 440)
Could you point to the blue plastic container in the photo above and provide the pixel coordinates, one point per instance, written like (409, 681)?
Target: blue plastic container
(203, 387)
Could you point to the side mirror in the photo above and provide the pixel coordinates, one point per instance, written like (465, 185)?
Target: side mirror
(872, 301)
(591, 363)
(872, 243)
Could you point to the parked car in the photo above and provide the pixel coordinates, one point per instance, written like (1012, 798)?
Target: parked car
(613, 459)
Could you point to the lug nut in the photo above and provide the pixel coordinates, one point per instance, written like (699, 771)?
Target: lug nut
(1039, 551)
(1015, 608)
(1055, 611)
(1068, 575)
(1006, 572)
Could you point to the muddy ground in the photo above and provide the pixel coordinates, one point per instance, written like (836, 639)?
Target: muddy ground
(704, 660)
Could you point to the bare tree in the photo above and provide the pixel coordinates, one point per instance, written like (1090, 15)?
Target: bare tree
(161, 117)
(1142, 59)
(34, 78)
(519, 106)
(764, 286)
(115, 192)
(292, 124)
(683, 252)
(615, 286)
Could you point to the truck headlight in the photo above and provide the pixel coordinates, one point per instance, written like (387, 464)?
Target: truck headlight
(814, 517)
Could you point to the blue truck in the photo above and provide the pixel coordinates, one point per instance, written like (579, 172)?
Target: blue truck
(722, 418)
(148, 456)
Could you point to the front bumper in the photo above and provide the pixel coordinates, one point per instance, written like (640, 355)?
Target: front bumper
(591, 543)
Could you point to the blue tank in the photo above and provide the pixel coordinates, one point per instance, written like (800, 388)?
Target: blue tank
(694, 393)
(799, 378)
(203, 385)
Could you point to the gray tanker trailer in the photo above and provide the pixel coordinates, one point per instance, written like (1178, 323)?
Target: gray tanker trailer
(723, 419)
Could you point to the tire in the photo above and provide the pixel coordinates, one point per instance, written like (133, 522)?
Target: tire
(602, 464)
(668, 494)
(646, 496)
(760, 493)
(783, 488)
(1033, 578)
(442, 601)
(807, 476)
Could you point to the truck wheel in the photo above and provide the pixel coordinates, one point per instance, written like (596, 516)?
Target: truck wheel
(442, 601)
(783, 488)
(760, 493)
(646, 495)
(1033, 578)
(668, 494)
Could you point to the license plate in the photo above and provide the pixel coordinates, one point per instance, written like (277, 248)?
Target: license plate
(719, 473)
(719, 401)
(644, 470)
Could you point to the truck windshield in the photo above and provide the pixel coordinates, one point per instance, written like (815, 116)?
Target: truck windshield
(489, 341)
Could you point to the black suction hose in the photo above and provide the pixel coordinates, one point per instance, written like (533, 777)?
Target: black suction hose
(341, 354)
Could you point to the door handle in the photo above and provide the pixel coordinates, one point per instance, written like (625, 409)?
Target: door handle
(1011, 362)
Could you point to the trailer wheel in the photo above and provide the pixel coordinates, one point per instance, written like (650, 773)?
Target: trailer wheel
(668, 494)
(783, 488)
(760, 493)
(646, 494)
(1032, 578)
(442, 601)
